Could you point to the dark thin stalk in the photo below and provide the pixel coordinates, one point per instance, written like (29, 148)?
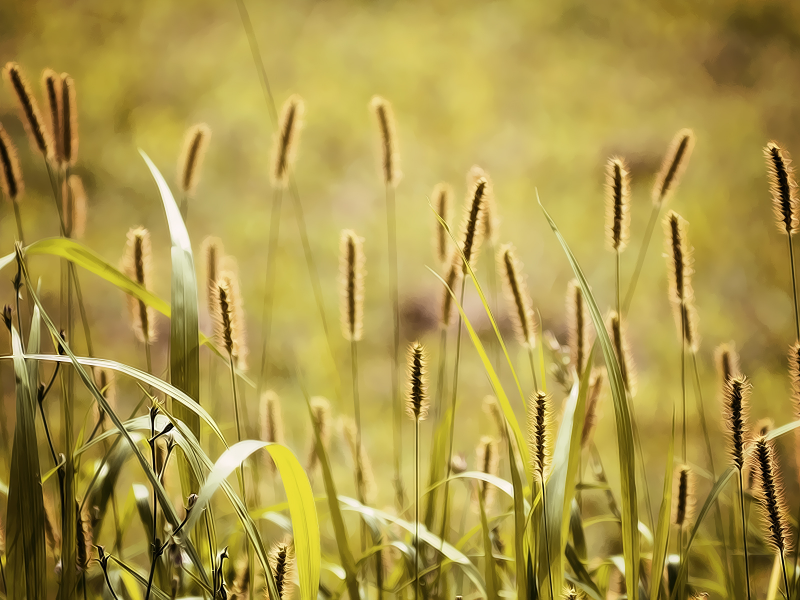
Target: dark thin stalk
(416, 510)
(237, 417)
(547, 538)
(616, 285)
(785, 578)
(18, 218)
(440, 376)
(683, 385)
(533, 367)
(269, 287)
(640, 259)
(744, 533)
(794, 288)
(108, 583)
(391, 227)
(155, 555)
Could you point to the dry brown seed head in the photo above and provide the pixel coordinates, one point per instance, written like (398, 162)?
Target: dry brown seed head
(491, 218)
(735, 405)
(229, 318)
(69, 126)
(683, 496)
(579, 327)
(137, 265)
(674, 165)
(770, 494)
(417, 400)
(452, 278)
(540, 434)
(10, 172)
(442, 202)
(51, 90)
(473, 227)
(281, 561)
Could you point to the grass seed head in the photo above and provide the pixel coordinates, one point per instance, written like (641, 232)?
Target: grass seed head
(51, 90)
(519, 300)
(616, 331)
(68, 148)
(137, 263)
(190, 160)
(389, 154)
(727, 361)
(452, 278)
(10, 172)
(417, 400)
(674, 165)
(213, 253)
(351, 279)
(735, 405)
(540, 434)
(491, 218)
(770, 495)
(442, 196)
(281, 561)
(487, 460)
(618, 197)
(473, 228)
(286, 140)
(229, 318)
(31, 118)
(579, 327)
(783, 187)
(592, 404)
(683, 496)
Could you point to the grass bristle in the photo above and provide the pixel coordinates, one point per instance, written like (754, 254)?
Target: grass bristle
(69, 129)
(365, 479)
(579, 327)
(229, 318)
(190, 161)
(417, 400)
(213, 253)
(281, 561)
(473, 227)
(618, 195)
(540, 434)
(491, 218)
(321, 414)
(351, 272)
(683, 496)
(30, 116)
(783, 187)
(519, 300)
(616, 331)
(271, 421)
(735, 408)
(770, 494)
(674, 165)
(74, 207)
(51, 90)
(454, 275)
(286, 140)
(592, 404)
(487, 461)
(442, 196)
(137, 263)
(390, 157)
(10, 172)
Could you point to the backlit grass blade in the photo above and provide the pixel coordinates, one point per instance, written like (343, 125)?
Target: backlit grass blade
(622, 417)
(519, 522)
(661, 542)
(26, 573)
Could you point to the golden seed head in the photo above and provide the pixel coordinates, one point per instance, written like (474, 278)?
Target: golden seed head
(51, 90)
(453, 277)
(619, 339)
(74, 207)
(271, 421)
(286, 140)
(417, 401)
(321, 415)
(487, 460)
(229, 319)
(770, 494)
(473, 227)
(365, 480)
(592, 403)
(618, 198)
(540, 434)
(68, 148)
(674, 165)
(579, 328)
(442, 196)
(10, 172)
(783, 187)
(735, 409)
(213, 253)
(389, 155)
(519, 300)
(137, 265)
(351, 280)
(491, 218)
(683, 496)
(281, 561)
(571, 593)
(29, 114)
(190, 160)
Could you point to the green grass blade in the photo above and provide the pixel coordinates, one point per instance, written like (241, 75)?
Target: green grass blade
(625, 447)
(26, 573)
(661, 541)
(490, 576)
(33, 347)
(582, 578)
(519, 522)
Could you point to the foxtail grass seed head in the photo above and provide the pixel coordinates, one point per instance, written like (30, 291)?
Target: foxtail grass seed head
(190, 160)
(442, 197)
(691, 335)
(679, 258)
(592, 403)
(727, 361)
(229, 318)
(540, 434)
(674, 165)
(365, 480)
(389, 154)
(74, 207)
(683, 496)
(417, 400)
(351, 278)
(492, 409)
(770, 495)
(271, 421)
(29, 114)
(616, 331)
(281, 561)
(452, 278)
(579, 327)
(138, 266)
(618, 200)
(519, 300)
(286, 140)
(783, 187)
(51, 90)
(735, 405)
(69, 129)
(473, 228)
(487, 461)
(213, 253)
(491, 220)
(10, 172)
(794, 376)
(321, 416)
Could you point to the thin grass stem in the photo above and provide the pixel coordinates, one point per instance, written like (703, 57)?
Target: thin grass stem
(648, 234)
(785, 578)
(744, 533)
(391, 227)
(533, 367)
(794, 288)
(547, 538)
(18, 219)
(269, 285)
(683, 385)
(416, 509)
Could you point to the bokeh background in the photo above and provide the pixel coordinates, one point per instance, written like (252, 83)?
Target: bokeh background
(539, 94)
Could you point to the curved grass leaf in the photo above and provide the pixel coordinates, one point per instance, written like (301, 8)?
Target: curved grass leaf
(661, 542)
(625, 446)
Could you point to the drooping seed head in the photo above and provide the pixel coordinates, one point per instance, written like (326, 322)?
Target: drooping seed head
(137, 263)
(491, 217)
(770, 495)
(286, 140)
(487, 461)
(74, 207)
(592, 403)
(51, 90)
(616, 331)
(417, 400)
(271, 421)
(683, 496)
(674, 165)
(190, 160)
(473, 228)
(229, 319)
(452, 278)
(520, 305)
(389, 155)
(321, 416)
(540, 434)
(579, 327)
(69, 128)
(442, 197)
(281, 561)
(618, 199)
(365, 480)
(10, 172)
(351, 280)
(213, 253)
(783, 187)
(29, 114)
(735, 408)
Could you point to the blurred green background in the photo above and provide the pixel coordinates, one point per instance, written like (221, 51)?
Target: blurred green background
(539, 94)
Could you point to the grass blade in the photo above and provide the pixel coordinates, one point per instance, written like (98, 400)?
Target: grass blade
(519, 522)
(488, 556)
(661, 541)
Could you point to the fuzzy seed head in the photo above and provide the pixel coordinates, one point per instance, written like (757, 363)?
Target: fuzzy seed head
(351, 280)
(321, 416)
(442, 196)
(29, 114)
(213, 253)
(286, 140)
(190, 160)
(679, 258)
(51, 90)
(389, 155)
(783, 187)
(683, 496)
(365, 480)
(579, 327)
(491, 220)
(10, 172)
(417, 401)
(735, 409)
(519, 300)
(592, 403)
(674, 165)
(540, 434)
(229, 318)
(770, 495)
(616, 331)
(618, 200)
(281, 561)
(69, 128)
(453, 277)
(137, 265)
(473, 227)
(74, 207)
(487, 460)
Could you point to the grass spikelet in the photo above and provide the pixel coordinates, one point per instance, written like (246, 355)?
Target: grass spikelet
(519, 300)
(473, 226)
(351, 274)
(592, 403)
(491, 220)
(213, 253)
(390, 157)
(492, 409)
(74, 207)
(487, 461)
(10, 172)
(229, 318)
(271, 421)
(442, 196)
(83, 539)
(727, 360)
(770, 495)
(618, 196)
(417, 401)
(674, 165)
(735, 409)
(190, 160)
(616, 331)
(679, 258)
(683, 500)
(69, 129)
(783, 187)
(365, 480)
(286, 140)
(31, 118)
(579, 327)
(540, 434)
(321, 414)
(51, 90)
(137, 264)
(281, 561)
(453, 277)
